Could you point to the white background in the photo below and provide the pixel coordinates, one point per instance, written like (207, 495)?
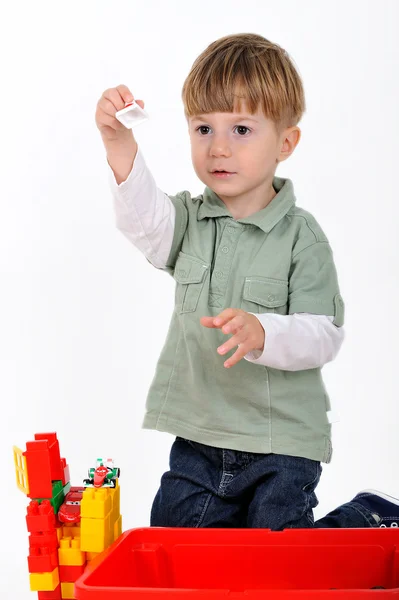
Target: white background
(84, 316)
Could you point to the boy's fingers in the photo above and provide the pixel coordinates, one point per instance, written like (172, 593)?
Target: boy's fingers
(113, 96)
(233, 325)
(207, 321)
(125, 93)
(234, 341)
(237, 356)
(225, 316)
(109, 120)
(108, 107)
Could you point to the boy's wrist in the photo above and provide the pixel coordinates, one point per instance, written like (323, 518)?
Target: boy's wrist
(121, 156)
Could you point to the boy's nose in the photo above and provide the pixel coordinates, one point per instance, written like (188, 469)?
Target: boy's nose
(219, 147)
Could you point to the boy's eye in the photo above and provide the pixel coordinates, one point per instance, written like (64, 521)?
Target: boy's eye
(204, 129)
(242, 130)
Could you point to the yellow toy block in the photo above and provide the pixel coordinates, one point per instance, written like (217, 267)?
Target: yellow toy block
(71, 531)
(95, 534)
(91, 555)
(118, 528)
(116, 503)
(70, 552)
(96, 503)
(44, 582)
(67, 590)
(21, 471)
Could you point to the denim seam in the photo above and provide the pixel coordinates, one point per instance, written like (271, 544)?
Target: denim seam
(202, 515)
(225, 475)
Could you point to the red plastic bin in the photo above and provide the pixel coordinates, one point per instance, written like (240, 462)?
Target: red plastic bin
(244, 564)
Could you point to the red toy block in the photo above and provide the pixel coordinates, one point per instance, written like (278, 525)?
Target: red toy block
(38, 466)
(41, 560)
(69, 574)
(55, 595)
(47, 539)
(40, 517)
(65, 470)
(54, 451)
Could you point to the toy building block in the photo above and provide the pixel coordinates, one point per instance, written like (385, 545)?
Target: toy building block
(54, 595)
(70, 552)
(42, 560)
(70, 573)
(117, 528)
(39, 469)
(65, 472)
(56, 465)
(44, 582)
(40, 517)
(95, 534)
(67, 590)
(116, 502)
(96, 503)
(70, 531)
(91, 555)
(45, 539)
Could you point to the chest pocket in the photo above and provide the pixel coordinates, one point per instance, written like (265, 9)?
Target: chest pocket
(262, 294)
(189, 275)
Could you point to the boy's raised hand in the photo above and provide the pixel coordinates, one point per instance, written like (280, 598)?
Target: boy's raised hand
(248, 333)
(111, 101)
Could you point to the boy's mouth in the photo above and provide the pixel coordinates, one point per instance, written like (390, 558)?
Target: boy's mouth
(222, 174)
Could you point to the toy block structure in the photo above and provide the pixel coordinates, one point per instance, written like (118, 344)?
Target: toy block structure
(68, 526)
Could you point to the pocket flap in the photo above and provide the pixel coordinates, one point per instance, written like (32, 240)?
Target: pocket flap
(189, 269)
(267, 292)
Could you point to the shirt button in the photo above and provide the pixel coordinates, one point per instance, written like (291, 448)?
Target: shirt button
(225, 249)
(230, 229)
(219, 274)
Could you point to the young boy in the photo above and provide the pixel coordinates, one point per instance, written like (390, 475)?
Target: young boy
(249, 411)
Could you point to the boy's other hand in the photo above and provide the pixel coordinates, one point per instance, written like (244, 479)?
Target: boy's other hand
(111, 101)
(248, 333)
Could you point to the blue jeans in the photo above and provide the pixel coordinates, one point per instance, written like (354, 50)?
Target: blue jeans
(214, 487)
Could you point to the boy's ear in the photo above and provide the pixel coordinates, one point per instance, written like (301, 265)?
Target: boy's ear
(289, 141)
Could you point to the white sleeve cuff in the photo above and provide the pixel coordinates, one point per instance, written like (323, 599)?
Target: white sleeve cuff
(297, 342)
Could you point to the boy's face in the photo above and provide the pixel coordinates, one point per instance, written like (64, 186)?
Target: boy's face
(236, 154)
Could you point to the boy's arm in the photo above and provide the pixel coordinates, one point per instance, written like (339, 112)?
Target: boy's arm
(144, 213)
(297, 342)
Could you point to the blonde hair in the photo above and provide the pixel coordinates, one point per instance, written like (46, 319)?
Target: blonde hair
(245, 67)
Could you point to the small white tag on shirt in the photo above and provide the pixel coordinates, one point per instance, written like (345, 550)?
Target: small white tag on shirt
(333, 417)
(132, 115)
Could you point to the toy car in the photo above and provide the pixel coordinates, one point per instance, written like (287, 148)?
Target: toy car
(69, 511)
(103, 475)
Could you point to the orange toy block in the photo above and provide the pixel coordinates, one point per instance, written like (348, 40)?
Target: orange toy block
(68, 590)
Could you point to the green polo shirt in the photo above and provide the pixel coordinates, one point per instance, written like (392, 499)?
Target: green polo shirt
(277, 260)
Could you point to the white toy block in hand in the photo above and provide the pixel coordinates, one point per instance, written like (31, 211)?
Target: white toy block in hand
(131, 115)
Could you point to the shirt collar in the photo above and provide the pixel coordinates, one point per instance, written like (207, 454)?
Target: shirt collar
(266, 219)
